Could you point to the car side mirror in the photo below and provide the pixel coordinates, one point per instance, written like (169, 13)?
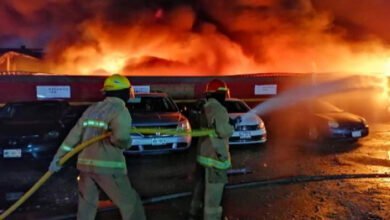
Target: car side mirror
(183, 110)
(70, 116)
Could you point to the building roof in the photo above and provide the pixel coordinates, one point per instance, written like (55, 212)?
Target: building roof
(34, 52)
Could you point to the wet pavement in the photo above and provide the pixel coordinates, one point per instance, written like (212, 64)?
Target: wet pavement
(282, 157)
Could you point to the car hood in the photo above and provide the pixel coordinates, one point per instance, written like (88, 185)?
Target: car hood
(23, 128)
(249, 119)
(156, 119)
(340, 117)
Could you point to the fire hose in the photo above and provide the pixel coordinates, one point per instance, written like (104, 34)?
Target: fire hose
(80, 147)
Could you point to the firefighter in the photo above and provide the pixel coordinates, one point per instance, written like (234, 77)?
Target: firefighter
(213, 156)
(102, 164)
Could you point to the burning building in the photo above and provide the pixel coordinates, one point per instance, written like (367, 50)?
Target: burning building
(21, 60)
(198, 37)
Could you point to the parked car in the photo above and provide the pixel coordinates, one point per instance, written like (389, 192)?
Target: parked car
(34, 129)
(320, 121)
(249, 131)
(157, 110)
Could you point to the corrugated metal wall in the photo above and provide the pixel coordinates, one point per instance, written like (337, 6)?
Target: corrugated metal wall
(87, 88)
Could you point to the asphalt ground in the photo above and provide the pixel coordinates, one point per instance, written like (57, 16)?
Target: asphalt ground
(282, 157)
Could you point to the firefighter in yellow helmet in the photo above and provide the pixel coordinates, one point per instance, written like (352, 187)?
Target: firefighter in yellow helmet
(102, 164)
(213, 156)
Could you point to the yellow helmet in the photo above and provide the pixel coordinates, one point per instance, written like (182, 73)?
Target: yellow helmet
(116, 82)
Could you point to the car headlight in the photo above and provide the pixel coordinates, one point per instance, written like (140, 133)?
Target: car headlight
(333, 124)
(261, 125)
(184, 125)
(52, 135)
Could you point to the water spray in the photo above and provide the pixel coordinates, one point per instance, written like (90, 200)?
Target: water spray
(319, 89)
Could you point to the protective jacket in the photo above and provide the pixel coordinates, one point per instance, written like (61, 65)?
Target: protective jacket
(213, 151)
(102, 157)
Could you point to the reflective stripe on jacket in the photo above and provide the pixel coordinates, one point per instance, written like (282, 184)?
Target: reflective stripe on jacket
(210, 162)
(102, 163)
(213, 151)
(95, 124)
(106, 156)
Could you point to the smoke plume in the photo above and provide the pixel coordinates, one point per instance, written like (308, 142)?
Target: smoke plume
(199, 37)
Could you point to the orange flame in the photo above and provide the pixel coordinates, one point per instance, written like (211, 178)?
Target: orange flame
(179, 43)
(204, 37)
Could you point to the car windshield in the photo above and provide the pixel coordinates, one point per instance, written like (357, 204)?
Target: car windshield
(31, 112)
(324, 107)
(235, 106)
(152, 104)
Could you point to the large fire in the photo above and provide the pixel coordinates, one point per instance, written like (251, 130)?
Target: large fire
(199, 37)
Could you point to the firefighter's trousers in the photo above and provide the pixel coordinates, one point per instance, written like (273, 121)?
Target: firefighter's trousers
(117, 187)
(207, 194)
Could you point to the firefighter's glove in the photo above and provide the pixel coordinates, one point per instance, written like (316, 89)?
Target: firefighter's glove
(234, 122)
(55, 165)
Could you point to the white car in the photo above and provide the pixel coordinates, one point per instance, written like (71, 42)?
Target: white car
(251, 129)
